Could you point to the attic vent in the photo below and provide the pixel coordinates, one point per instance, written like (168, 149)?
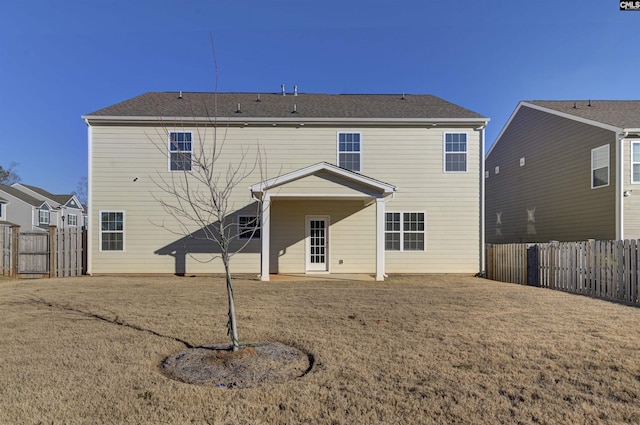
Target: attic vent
(284, 93)
(295, 90)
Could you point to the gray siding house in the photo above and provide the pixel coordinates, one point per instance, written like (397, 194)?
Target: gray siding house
(371, 184)
(19, 208)
(565, 171)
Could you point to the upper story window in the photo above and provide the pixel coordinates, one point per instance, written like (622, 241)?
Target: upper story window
(455, 152)
(180, 150)
(111, 231)
(248, 227)
(43, 216)
(349, 151)
(600, 166)
(72, 220)
(635, 162)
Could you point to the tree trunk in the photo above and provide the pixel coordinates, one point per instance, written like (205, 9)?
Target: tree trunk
(232, 328)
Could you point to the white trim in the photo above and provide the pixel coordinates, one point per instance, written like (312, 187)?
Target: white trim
(608, 148)
(322, 166)
(359, 133)
(380, 227)
(482, 205)
(169, 151)
(444, 152)
(265, 237)
(89, 197)
(631, 163)
(402, 231)
(307, 244)
(619, 184)
(124, 223)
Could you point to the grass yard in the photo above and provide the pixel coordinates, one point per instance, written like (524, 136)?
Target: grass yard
(411, 350)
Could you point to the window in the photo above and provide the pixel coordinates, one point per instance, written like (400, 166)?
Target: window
(180, 150)
(72, 220)
(248, 227)
(1, 205)
(404, 231)
(600, 166)
(455, 152)
(111, 231)
(635, 162)
(349, 151)
(43, 216)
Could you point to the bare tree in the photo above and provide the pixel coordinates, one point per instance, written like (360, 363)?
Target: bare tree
(81, 190)
(8, 175)
(200, 195)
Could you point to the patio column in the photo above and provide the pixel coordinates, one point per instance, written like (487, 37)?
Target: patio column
(265, 235)
(380, 222)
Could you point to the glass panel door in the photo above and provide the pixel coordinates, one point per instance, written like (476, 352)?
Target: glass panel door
(317, 244)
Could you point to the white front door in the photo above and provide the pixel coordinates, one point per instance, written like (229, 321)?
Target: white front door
(317, 244)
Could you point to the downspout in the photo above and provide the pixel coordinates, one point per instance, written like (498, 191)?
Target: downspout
(482, 204)
(620, 185)
(89, 197)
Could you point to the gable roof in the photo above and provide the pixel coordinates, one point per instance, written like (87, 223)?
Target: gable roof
(618, 113)
(60, 199)
(385, 188)
(21, 195)
(614, 115)
(242, 106)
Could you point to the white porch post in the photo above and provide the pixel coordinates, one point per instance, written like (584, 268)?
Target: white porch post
(265, 235)
(380, 221)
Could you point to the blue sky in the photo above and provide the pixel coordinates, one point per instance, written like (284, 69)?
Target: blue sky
(60, 59)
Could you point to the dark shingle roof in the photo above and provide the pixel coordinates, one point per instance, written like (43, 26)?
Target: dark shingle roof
(618, 113)
(16, 193)
(271, 105)
(61, 199)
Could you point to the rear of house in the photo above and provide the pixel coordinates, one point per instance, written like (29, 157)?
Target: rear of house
(346, 184)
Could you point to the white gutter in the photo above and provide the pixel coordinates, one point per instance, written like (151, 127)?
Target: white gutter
(482, 204)
(620, 135)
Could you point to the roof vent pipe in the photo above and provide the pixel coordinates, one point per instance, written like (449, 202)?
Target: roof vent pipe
(238, 111)
(258, 99)
(589, 102)
(180, 95)
(284, 93)
(295, 109)
(295, 90)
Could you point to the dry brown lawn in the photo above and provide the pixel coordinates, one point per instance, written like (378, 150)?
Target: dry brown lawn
(411, 350)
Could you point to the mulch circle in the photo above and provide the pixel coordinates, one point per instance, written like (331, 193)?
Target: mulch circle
(251, 366)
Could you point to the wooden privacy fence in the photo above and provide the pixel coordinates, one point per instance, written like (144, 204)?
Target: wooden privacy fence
(602, 269)
(56, 253)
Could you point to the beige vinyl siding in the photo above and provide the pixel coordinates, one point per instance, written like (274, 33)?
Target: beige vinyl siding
(631, 203)
(351, 235)
(409, 158)
(550, 197)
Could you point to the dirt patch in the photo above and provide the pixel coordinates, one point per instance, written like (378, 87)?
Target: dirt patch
(251, 366)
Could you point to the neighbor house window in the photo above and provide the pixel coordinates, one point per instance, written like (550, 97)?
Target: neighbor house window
(1, 207)
(248, 227)
(600, 166)
(111, 231)
(180, 151)
(43, 216)
(635, 162)
(455, 152)
(404, 231)
(349, 151)
(72, 220)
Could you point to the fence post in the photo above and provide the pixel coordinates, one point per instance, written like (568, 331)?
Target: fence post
(14, 251)
(52, 251)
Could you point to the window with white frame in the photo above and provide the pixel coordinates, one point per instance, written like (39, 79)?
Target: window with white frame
(111, 231)
(405, 231)
(43, 216)
(349, 151)
(600, 166)
(72, 220)
(635, 162)
(455, 152)
(1, 209)
(248, 227)
(180, 150)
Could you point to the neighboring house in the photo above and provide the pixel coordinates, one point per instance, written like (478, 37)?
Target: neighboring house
(24, 210)
(350, 183)
(69, 212)
(3, 209)
(565, 171)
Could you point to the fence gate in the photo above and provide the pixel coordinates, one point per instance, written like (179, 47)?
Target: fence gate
(33, 254)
